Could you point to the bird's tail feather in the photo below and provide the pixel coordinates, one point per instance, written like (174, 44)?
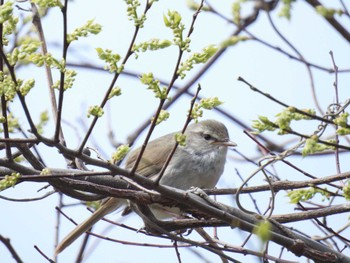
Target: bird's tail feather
(109, 206)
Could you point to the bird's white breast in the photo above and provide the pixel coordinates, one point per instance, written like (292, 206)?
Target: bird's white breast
(203, 171)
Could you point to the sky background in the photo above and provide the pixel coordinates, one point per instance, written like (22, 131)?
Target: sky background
(33, 223)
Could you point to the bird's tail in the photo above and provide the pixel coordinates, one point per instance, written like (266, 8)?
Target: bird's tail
(107, 207)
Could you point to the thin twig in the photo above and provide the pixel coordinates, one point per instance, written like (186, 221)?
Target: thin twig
(269, 96)
(335, 84)
(64, 11)
(43, 254)
(27, 199)
(39, 28)
(10, 248)
(114, 80)
(312, 82)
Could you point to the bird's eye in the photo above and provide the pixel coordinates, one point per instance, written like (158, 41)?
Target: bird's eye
(207, 136)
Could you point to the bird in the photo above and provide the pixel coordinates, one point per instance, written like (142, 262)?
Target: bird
(198, 163)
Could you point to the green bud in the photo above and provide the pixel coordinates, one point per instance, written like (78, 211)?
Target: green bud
(163, 116)
(180, 139)
(120, 153)
(342, 120)
(302, 195)
(233, 40)
(89, 28)
(263, 230)
(96, 111)
(45, 171)
(9, 181)
(197, 58)
(48, 3)
(346, 191)
(343, 131)
(116, 91)
(210, 103)
(153, 84)
(312, 146)
(27, 86)
(328, 12)
(110, 58)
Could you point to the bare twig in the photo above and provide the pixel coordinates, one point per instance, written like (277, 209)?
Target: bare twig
(43, 254)
(54, 108)
(10, 248)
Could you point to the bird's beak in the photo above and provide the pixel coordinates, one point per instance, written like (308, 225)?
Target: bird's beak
(226, 143)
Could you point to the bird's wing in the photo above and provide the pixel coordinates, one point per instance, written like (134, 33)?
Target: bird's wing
(154, 156)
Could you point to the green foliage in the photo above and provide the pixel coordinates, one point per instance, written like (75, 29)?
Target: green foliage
(116, 91)
(6, 12)
(48, 3)
(39, 60)
(110, 58)
(283, 124)
(153, 44)
(12, 122)
(210, 103)
(69, 78)
(163, 116)
(197, 58)
(153, 84)
(45, 171)
(93, 204)
(263, 230)
(236, 11)
(7, 87)
(342, 122)
(9, 181)
(132, 6)
(89, 28)
(205, 103)
(23, 51)
(328, 12)
(313, 146)
(44, 119)
(120, 153)
(19, 159)
(8, 20)
(302, 195)
(25, 87)
(283, 120)
(96, 111)
(346, 191)
(343, 131)
(180, 139)
(263, 124)
(288, 115)
(193, 5)
(173, 21)
(233, 40)
(286, 9)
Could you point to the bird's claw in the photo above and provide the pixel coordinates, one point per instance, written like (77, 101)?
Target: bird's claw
(197, 191)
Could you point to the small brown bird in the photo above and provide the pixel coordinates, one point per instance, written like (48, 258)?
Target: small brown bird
(199, 163)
